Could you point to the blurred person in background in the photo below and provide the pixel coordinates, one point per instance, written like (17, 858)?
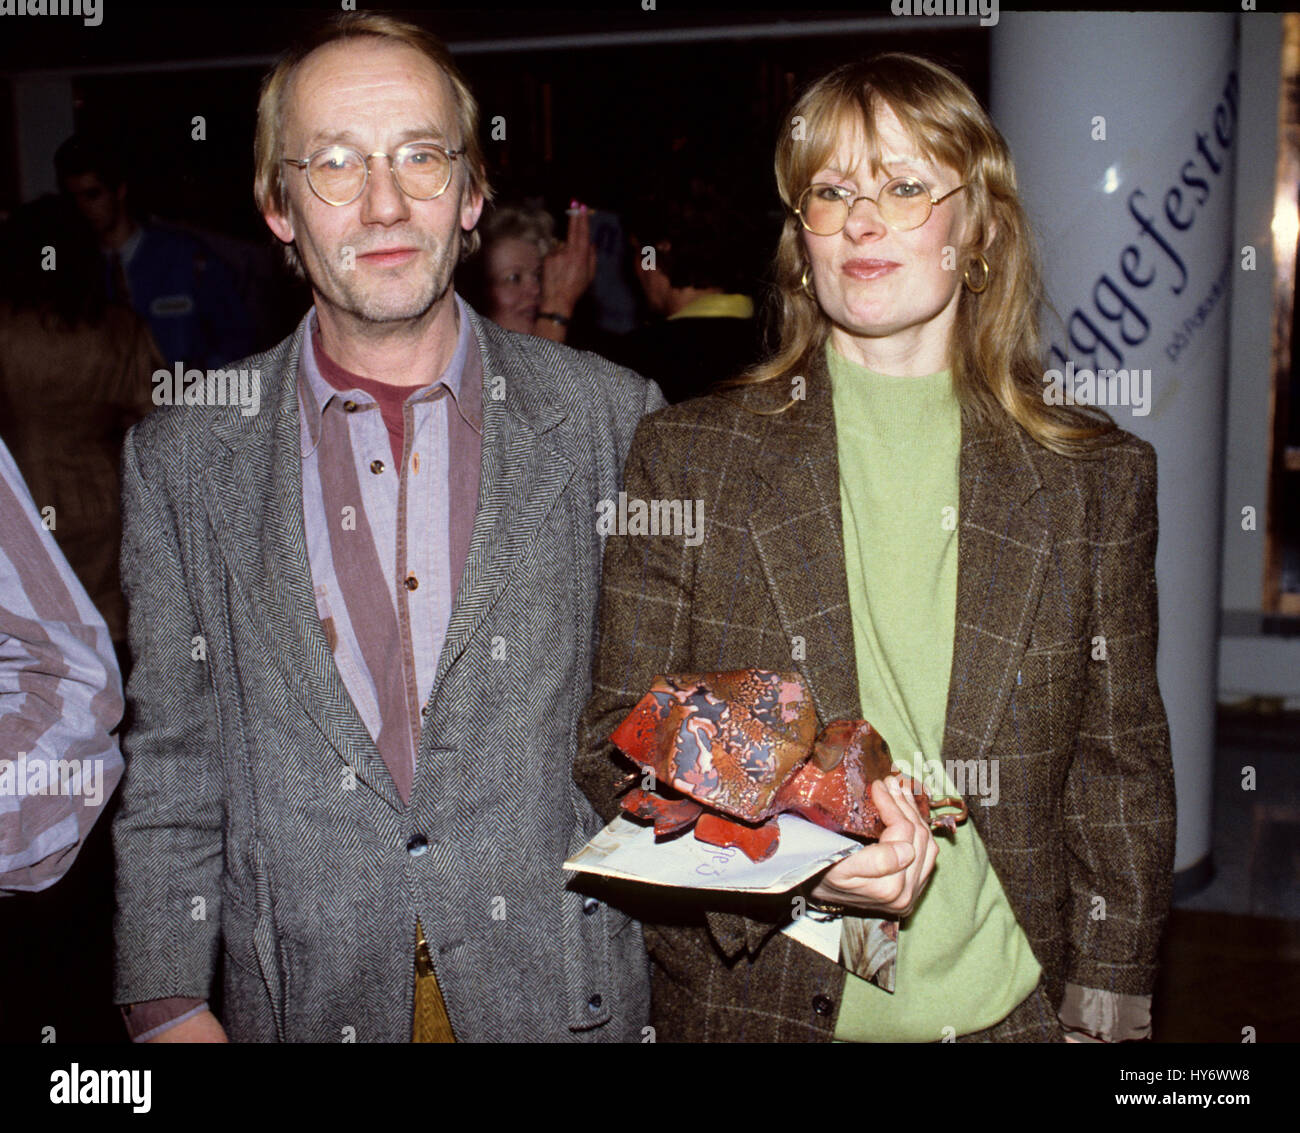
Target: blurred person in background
(694, 263)
(525, 280)
(187, 294)
(75, 374)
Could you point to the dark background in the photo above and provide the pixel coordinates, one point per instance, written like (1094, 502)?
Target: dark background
(609, 125)
(604, 123)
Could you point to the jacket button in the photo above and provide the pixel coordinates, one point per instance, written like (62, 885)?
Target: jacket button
(411, 582)
(417, 845)
(590, 905)
(350, 406)
(376, 466)
(593, 1004)
(823, 1004)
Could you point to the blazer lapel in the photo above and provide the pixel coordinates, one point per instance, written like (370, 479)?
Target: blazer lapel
(1001, 560)
(523, 469)
(1002, 556)
(799, 539)
(254, 500)
(1003, 550)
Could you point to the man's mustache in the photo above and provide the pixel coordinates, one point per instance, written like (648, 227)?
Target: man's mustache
(421, 240)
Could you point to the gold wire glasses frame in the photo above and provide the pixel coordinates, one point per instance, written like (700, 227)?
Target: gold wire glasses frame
(338, 175)
(904, 203)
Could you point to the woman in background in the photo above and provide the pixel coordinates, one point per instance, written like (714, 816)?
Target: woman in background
(525, 280)
(75, 374)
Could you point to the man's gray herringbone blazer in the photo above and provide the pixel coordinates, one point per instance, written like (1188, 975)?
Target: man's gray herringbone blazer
(258, 822)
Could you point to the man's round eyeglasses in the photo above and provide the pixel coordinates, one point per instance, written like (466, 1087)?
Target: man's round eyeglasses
(904, 203)
(339, 174)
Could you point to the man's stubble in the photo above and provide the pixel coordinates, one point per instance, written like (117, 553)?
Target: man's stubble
(368, 300)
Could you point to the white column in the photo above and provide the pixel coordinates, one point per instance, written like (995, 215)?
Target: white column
(1123, 129)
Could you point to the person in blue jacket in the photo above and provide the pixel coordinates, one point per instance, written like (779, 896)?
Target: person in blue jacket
(186, 293)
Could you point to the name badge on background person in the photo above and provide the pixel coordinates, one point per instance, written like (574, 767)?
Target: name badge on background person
(172, 306)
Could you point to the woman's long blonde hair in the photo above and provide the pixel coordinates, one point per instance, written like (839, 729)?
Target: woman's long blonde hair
(997, 354)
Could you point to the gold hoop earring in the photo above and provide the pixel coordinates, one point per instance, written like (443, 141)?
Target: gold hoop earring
(803, 282)
(984, 281)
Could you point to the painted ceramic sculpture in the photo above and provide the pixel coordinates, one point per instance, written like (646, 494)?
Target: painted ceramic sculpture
(731, 751)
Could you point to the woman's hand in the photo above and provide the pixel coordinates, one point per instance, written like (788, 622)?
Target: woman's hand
(568, 271)
(888, 877)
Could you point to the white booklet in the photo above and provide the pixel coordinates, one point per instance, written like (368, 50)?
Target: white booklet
(628, 850)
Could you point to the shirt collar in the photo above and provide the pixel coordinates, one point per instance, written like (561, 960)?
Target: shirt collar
(717, 307)
(315, 393)
(131, 245)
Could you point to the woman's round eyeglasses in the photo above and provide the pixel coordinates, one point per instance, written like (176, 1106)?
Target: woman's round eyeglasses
(904, 203)
(339, 174)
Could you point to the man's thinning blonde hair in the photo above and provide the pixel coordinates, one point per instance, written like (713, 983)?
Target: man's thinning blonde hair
(268, 143)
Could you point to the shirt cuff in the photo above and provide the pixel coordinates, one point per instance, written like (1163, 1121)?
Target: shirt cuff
(1092, 1015)
(149, 1019)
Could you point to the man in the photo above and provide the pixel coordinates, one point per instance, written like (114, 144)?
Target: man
(187, 294)
(60, 699)
(363, 619)
(703, 328)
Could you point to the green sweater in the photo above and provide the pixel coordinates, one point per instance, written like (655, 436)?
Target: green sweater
(963, 961)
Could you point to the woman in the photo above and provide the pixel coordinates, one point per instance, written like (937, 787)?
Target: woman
(891, 508)
(524, 279)
(75, 374)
